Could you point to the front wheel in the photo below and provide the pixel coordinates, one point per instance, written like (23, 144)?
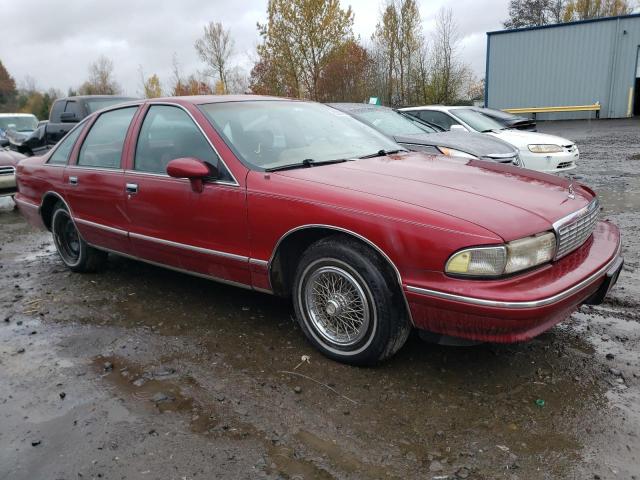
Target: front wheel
(76, 254)
(345, 303)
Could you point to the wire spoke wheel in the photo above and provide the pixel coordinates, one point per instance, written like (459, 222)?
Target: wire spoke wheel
(337, 306)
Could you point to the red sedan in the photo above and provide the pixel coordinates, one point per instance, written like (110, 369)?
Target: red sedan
(297, 199)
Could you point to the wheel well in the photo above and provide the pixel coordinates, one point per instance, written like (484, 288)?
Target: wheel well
(46, 209)
(290, 250)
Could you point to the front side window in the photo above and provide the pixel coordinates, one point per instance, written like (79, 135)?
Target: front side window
(271, 134)
(102, 147)
(168, 133)
(61, 155)
(437, 118)
(478, 121)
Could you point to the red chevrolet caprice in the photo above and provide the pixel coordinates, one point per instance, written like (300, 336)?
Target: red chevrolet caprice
(297, 199)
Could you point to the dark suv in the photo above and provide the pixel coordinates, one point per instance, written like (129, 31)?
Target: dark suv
(65, 113)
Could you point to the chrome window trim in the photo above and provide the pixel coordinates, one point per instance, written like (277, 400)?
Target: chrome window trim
(88, 167)
(521, 304)
(165, 176)
(349, 232)
(215, 253)
(150, 104)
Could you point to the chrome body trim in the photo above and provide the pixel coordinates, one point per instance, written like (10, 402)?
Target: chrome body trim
(167, 177)
(261, 263)
(176, 269)
(349, 232)
(101, 227)
(215, 253)
(99, 169)
(27, 204)
(521, 304)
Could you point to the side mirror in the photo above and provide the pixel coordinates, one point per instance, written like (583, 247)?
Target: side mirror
(68, 117)
(193, 169)
(457, 128)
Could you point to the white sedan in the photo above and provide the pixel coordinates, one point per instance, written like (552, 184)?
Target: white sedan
(538, 151)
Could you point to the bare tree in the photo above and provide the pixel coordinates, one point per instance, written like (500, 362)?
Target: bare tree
(214, 48)
(448, 73)
(101, 81)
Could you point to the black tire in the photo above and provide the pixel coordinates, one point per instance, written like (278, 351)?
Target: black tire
(341, 285)
(74, 252)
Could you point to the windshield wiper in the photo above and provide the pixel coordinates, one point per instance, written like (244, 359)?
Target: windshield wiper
(383, 153)
(307, 162)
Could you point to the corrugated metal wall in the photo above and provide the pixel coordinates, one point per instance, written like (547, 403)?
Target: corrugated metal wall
(572, 64)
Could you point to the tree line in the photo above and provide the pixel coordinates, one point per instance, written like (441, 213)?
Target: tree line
(308, 49)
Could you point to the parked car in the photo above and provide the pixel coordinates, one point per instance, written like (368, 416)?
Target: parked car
(8, 162)
(65, 113)
(19, 124)
(508, 120)
(295, 199)
(417, 135)
(538, 151)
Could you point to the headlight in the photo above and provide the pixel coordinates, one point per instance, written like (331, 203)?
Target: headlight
(545, 148)
(512, 257)
(450, 152)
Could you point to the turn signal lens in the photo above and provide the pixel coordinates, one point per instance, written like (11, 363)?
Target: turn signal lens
(450, 152)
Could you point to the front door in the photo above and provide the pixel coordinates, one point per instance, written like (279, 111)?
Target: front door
(95, 183)
(171, 224)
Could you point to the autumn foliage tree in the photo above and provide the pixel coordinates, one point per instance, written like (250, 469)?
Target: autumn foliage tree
(7, 89)
(345, 78)
(298, 41)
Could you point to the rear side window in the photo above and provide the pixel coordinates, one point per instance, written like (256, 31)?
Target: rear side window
(74, 107)
(62, 152)
(168, 133)
(102, 147)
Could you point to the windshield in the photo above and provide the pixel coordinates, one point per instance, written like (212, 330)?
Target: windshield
(271, 134)
(21, 123)
(477, 121)
(96, 104)
(391, 123)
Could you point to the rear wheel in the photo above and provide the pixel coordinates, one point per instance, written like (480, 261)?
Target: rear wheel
(345, 304)
(73, 250)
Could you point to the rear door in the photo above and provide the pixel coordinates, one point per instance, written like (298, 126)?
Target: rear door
(203, 232)
(95, 183)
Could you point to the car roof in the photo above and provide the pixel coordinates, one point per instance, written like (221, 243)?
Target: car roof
(4, 115)
(92, 97)
(441, 108)
(357, 107)
(205, 99)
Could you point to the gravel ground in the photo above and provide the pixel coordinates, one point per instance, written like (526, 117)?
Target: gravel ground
(143, 373)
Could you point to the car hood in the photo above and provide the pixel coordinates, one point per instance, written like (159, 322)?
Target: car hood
(7, 157)
(510, 202)
(482, 146)
(521, 139)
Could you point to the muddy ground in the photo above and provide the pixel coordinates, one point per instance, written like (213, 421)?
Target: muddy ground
(143, 373)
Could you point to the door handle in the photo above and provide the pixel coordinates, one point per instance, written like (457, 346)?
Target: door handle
(131, 188)
(73, 180)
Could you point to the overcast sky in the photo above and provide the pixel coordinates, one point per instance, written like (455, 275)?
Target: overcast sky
(55, 41)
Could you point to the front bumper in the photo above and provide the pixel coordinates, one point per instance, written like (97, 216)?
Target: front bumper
(551, 162)
(524, 306)
(8, 185)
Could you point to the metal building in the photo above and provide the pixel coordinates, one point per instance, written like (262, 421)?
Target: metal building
(568, 64)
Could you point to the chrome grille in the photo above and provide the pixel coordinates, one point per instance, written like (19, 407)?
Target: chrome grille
(7, 170)
(573, 230)
(565, 164)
